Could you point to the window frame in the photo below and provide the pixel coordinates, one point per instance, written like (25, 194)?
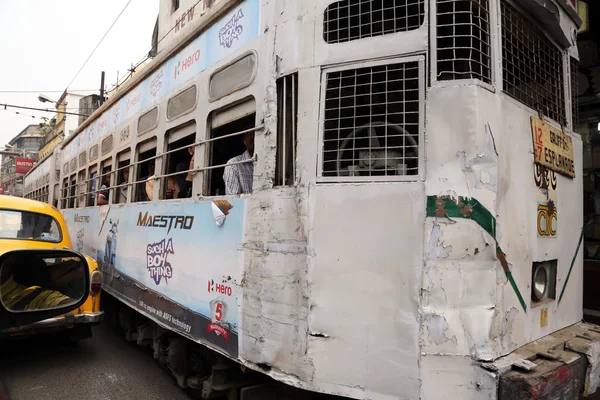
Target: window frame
(238, 87)
(500, 62)
(422, 76)
(190, 110)
(60, 231)
(495, 37)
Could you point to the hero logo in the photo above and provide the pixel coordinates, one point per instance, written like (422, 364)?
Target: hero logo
(214, 287)
(232, 30)
(186, 63)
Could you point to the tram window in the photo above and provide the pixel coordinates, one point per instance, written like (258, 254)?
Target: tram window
(182, 103)
(287, 110)
(232, 77)
(463, 40)
(574, 93)
(179, 186)
(81, 188)
(122, 179)
(223, 150)
(72, 194)
(145, 170)
(372, 123)
(65, 193)
(532, 66)
(103, 196)
(55, 193)
(148, 121)
(348, 20)
(92, 185)
(174, 5)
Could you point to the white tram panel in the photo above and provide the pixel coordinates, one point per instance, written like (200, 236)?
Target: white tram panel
(342, 284)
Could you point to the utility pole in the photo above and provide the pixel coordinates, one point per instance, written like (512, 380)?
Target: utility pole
(102, 86)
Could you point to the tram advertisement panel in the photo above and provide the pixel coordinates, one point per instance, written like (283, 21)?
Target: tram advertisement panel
(178, 263)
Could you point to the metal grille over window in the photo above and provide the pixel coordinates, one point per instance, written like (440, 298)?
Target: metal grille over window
(349, 20)
(575, 92)
(287, 116)
(372, 121)
(148, 121)
(532, 65)
(463, 40)
(181, 103)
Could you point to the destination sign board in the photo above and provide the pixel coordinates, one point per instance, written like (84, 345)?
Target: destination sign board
(552, 148)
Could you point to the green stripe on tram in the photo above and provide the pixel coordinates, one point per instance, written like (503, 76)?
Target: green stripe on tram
(470, 208)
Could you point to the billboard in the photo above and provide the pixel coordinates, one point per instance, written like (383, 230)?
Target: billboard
(23, 165)
(178, 263)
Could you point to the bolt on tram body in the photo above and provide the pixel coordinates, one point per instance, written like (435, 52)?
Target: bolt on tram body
(413, 221)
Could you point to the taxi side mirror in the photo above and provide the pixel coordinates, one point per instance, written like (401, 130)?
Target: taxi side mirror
(40, 284)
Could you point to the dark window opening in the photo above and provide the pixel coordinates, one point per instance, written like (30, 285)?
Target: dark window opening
(532, 65)
(357, 19)
(92, 186)
(174, 6)
(72, 196)
(179, 186)
(122, 180)
(225, 149)
(372, 121)
(65, 193)
(574, 92)
(81, 189)
(103, 196)
(287, 118)
(145, 170)
(463, 40)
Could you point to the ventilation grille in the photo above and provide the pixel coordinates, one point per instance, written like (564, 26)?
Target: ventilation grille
(349, 20)
(371, 125)
(463, 40)
(575, 92)
(532, 65)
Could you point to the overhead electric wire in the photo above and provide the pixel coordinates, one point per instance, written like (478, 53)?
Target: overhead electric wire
(100, 42)
(48, 91)
(40, 109)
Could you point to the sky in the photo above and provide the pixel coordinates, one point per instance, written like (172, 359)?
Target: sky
(43, 43)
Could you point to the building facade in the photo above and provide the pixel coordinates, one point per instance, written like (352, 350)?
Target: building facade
(28, 143)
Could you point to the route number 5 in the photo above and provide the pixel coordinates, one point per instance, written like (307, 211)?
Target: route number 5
(219, 311)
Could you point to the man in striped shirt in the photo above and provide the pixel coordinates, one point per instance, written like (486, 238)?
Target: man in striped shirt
(239, 170)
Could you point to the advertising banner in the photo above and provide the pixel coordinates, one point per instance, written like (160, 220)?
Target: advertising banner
(23, 165)
(176, 262)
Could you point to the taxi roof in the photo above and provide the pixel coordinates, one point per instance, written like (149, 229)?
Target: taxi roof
(19, 203)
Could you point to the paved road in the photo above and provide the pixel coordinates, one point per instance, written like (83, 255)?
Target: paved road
(104, 367)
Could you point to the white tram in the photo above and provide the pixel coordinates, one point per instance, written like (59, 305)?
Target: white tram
(415, 214)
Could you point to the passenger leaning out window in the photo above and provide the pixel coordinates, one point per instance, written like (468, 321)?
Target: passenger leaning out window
(238, 177)
(103, 193)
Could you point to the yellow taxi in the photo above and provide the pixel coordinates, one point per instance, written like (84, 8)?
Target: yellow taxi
(28, 224)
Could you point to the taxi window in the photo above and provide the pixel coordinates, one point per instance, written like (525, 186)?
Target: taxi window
(29, 226)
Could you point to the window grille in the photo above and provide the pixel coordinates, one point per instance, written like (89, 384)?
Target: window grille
(182, 103)
(463, 40)
(287, 118)
(349, 20)
(148, 121)
(575, 92)
(532, 65)
(371, 122)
